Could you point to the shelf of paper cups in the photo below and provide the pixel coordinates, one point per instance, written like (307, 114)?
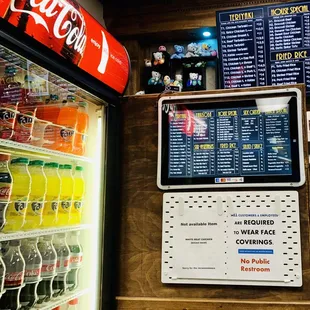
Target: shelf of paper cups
(42, 232)
(61, 300)
(41, 150)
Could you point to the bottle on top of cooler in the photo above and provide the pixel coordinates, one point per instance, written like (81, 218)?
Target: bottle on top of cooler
(48, 271)
(16, 211)
(62, 267)
(5, 187)
(37, 195)
(33, 261)
(78, 196)
(51, 205)
(66, 194)
(76, 258)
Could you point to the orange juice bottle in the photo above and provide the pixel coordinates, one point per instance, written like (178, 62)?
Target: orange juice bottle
(50, 211)
(15, 215)
(68, 114)
(82, 118)
(37, 195)
(78, 196)
(66, 194)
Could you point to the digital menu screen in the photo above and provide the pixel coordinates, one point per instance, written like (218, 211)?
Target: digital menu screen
(229, 142)
(246, 141)
(267, 45)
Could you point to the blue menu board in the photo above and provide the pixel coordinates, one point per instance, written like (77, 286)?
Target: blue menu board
(229, 142)
(267, 45)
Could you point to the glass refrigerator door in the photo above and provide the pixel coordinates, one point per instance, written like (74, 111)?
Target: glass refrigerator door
(52, 146)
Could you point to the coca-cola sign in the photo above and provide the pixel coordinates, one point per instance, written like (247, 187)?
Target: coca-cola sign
(66, 28)
(63, 27)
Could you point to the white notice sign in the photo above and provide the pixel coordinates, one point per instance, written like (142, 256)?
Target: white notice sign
(232, 238)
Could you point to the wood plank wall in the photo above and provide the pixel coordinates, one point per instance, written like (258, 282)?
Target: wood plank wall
(139, 283)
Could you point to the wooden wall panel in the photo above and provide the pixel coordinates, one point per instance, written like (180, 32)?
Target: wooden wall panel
(172, 16)
(140, 246)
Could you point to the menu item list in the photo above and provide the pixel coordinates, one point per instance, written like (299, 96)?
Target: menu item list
(268, 45)
(229, 142)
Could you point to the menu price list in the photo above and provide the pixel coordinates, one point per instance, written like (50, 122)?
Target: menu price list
(277, 43)
(233, 142)
(243, 49)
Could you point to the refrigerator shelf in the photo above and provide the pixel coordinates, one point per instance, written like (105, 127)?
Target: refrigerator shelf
(61, 300)
(40, 150)
(41, 232)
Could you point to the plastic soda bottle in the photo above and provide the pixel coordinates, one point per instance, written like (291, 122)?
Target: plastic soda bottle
(33, 261)
(62, 267)
(15, 215)
(14, 277)
(48, 271)
(82, 118)
(66, 194)
(37, 195)
(15, 265)
(76, 258)
(78, 196)
(50, 211)
(5, 187)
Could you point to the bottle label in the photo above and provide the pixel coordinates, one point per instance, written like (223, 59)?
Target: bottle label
(36, 208)
(67, 134)
(20, 207)
(5, 191)
(48, 268)
(78, 204)
(76, 260)
(14, 279)
(65, 206)
(63, 264)
(33, 274)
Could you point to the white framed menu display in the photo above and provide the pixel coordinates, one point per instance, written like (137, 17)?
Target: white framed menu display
(232, 238)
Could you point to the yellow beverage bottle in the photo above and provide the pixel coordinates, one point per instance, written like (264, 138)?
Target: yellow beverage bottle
(16, 212)
(34, 212)
(66, 194)
(50, 211)
(78, 196)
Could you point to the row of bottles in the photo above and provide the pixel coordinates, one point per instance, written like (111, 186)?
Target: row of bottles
(35, 194)
(57, 126)
(35, 271)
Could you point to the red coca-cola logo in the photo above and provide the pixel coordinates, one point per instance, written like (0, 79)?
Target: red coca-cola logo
(32, 273)
(50, 268)
(65, 263)
(76, 259)
(5, 192)
(68, 22)
(14, 278)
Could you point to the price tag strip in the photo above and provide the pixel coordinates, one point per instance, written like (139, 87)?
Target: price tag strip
(232, 238)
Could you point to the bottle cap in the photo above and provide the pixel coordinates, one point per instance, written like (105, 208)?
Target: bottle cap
(69, 167)
(51, 165)
(61, 166)
(83, 104)
(20, 160)
(14, 243)
(79, 168)
(74, 301)
(36, 163)
(5, 157)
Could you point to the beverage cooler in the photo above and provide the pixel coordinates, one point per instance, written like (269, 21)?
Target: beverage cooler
(61, 75)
